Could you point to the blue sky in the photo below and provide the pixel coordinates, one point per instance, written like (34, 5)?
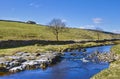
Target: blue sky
(104, 14)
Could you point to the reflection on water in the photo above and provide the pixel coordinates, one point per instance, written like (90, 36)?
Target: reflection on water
(71, 67)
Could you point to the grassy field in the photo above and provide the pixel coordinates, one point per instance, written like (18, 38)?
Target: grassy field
(20, 31)
(113, 72)
(23, 31)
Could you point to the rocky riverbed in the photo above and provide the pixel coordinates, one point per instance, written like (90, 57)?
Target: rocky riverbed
(21, 61)
(102, 57)
(97, 56)
(24, 61)
(85, 61)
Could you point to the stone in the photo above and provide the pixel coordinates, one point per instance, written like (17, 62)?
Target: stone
(16, 69)
(21, 61)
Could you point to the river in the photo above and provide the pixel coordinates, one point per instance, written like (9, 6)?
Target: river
(72, 66)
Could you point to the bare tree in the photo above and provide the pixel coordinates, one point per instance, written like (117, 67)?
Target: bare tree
(57, 26)
(98, 30)
(98, 35)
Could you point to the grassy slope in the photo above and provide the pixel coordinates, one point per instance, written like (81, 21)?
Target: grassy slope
(21, 31)
(114, 70)
(15, 30)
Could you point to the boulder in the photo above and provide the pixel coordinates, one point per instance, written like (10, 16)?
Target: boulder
(3, 69)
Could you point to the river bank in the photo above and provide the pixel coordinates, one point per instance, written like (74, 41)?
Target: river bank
(19, 43)
(11, 47)
(113, 72)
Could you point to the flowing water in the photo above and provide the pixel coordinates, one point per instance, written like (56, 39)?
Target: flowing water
(72, 66)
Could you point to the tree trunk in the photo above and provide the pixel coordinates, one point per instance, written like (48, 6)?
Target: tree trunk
(98, 36)
(57, 38)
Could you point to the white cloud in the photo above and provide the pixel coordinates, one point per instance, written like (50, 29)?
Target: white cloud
(97, 20)
(64, 20)
(34, 5)
(90, 27)
(10, 18)
(116, 31)
(82, 27)
(87, 27)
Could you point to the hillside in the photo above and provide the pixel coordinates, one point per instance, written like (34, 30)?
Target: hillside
(20, 30)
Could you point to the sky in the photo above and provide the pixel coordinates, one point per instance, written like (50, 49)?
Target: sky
(86, 14)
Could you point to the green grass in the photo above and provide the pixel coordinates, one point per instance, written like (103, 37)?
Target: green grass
(22, 31)
(113, 72)
(14, 30)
